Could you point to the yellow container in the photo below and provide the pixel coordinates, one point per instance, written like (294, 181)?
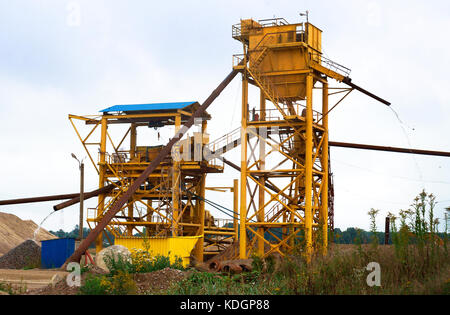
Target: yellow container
(172, 247)
(281, 53)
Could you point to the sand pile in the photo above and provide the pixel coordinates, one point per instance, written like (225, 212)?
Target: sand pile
(14, 231)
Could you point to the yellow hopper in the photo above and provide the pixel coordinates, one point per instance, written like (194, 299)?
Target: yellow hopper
(179, 246)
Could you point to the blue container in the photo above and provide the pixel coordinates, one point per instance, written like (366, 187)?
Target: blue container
(54, 253)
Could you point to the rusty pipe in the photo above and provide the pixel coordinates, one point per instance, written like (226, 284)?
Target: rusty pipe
(38, 199)
(387, 149)
(348, 81)
(88, 195)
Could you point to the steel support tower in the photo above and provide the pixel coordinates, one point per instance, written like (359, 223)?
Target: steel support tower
(284, 183)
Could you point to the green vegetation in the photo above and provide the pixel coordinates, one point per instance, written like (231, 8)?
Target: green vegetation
(119, 280)
(121, 283)
(13, 289)
(141, 261)
(417, 263)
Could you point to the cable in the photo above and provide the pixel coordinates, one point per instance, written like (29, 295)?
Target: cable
(215, 205)
(388, 175)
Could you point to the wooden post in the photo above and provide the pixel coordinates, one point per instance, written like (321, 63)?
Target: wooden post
(386, 231)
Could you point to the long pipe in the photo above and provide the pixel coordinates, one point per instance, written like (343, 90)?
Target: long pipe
(74, 198)
(348, 81)
(84, 245)
(388, 149)
(37, 199)
(88, 195)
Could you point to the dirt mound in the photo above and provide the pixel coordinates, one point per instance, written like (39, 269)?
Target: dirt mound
(27, 254)
(14, 231)
(156, 281)
(62, 288)
(152, 282)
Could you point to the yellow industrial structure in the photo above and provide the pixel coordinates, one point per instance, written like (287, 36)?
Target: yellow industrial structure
(169, 205)
(285, 187)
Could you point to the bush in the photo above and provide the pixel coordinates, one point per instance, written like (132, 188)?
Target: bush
(94, 285)
(141, 261)
(121, 283)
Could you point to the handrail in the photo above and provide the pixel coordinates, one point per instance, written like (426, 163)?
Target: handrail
(275, 33)
(275, 20)
(332, 65)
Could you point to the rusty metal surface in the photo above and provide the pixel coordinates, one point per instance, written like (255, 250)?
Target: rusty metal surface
(387, 231)
(348, 81)
(387, 149)
(87, 195)
(37, 199)
(153, 165)
(233, 266)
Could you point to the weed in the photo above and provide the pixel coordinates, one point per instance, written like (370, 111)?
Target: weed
(417, 263)
(13, 289)
(120, 283)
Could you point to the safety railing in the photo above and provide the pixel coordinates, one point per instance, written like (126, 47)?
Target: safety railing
(225, 140)
(273, 22)
(236, 30)
(237, 59)
(116, 157)
(273, 114)
(221, 224)
(332, 65)
(300, 36)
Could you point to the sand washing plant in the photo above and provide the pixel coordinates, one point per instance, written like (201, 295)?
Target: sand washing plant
(284, 190)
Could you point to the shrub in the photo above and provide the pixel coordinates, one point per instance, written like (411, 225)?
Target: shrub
(120, 283)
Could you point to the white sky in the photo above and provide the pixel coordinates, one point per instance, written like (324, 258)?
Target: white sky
(124, 52)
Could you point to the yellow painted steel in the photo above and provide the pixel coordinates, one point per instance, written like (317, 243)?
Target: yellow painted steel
(290, 173)
(172, 247)
(284, 177)
(170, 202)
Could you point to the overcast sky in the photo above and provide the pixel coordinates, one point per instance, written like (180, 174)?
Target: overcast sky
(59, 57)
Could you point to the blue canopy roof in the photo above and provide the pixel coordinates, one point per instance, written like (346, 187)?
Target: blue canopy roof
(147, 107)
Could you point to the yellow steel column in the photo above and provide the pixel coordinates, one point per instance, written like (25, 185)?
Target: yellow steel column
(102, 171)
(176, 184)
(132, 155)
(149, 217)
(200, 246)
(262, 166)
(243, 192)
(308, 168)
(324, 206)
(235, 208)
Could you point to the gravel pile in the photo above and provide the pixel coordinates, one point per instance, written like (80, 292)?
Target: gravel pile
(156, 281)
(27, 254)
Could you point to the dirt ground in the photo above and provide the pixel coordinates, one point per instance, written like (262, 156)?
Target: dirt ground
(146, 283)
(29, 279)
